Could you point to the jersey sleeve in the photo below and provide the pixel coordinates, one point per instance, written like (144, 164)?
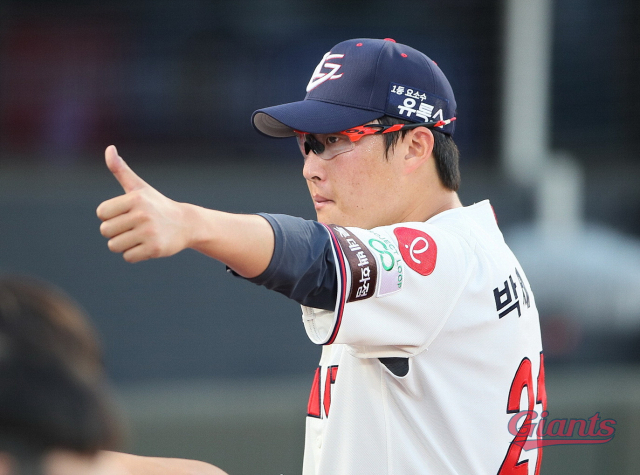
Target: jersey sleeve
(303, 263)
(397, 285)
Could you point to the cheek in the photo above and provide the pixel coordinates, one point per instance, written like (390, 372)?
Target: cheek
(361, 177)
(360, 191)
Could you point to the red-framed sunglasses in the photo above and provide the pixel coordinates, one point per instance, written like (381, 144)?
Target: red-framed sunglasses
(327, 146)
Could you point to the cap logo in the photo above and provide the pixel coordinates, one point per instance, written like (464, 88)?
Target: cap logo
(319, 77)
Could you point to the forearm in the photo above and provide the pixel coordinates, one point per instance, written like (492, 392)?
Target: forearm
(245, 243)
(144, 224)
(127, 464)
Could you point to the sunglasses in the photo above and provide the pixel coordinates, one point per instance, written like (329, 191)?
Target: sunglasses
(327, 146)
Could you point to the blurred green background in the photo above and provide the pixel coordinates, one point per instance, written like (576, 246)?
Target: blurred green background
(210, 367)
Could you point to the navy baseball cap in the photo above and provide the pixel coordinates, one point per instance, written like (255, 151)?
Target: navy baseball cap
(362, 80)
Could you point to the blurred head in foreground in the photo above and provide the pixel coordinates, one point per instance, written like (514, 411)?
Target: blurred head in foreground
(55, 414)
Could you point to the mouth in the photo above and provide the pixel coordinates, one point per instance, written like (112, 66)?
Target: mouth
(320, 202)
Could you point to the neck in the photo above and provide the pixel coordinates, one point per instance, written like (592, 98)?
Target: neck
(433, 205)
(449, 200)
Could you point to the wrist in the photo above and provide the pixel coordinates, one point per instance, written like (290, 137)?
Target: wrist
(199, 226)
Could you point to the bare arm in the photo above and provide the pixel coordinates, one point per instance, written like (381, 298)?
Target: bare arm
(126, 464)
(144, 224)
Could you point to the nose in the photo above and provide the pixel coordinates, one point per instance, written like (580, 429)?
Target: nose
(314, 167)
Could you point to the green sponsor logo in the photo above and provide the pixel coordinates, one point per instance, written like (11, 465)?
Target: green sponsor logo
(386, 258)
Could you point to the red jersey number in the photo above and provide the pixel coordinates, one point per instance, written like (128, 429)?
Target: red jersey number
(316, 400)
(523, 378)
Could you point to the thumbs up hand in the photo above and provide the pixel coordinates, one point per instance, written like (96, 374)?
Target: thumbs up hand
(142, 223)
(125, 176)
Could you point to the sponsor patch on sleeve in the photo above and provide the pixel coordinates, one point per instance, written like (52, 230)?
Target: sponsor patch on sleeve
(418, 249)
(390, 264)
(414, 104)
(364, 270)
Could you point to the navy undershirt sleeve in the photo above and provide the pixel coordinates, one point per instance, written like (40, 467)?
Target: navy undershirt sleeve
(302, 267)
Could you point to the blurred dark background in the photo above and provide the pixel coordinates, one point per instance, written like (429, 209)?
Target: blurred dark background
(187, 74)
(173, 85)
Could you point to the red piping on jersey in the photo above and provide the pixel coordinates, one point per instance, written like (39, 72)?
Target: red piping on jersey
(342, 290)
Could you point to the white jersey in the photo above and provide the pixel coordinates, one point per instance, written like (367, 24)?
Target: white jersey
(450, 298)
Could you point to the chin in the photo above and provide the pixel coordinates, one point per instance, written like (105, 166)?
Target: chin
(324, 218)
(338, 221)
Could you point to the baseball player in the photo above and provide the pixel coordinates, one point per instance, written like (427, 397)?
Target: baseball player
(432, 358)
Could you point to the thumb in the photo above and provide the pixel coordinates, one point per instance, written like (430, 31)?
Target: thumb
(125, 176)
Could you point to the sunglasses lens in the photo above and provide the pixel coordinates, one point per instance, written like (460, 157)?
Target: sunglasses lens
(304, 147)
(314, 144)
(325, 146)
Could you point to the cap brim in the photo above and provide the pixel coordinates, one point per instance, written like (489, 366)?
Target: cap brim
(314, 117)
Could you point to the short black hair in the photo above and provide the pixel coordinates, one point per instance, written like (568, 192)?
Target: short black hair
(445, 152)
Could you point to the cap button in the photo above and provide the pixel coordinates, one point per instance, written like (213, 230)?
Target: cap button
(390, 39)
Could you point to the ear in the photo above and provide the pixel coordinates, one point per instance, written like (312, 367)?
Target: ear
(419, 143)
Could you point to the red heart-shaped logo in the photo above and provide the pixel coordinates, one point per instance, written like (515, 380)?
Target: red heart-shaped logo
(418, 249)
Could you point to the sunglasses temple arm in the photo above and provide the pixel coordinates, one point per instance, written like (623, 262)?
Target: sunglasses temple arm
(393, 128)
(440, 123)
